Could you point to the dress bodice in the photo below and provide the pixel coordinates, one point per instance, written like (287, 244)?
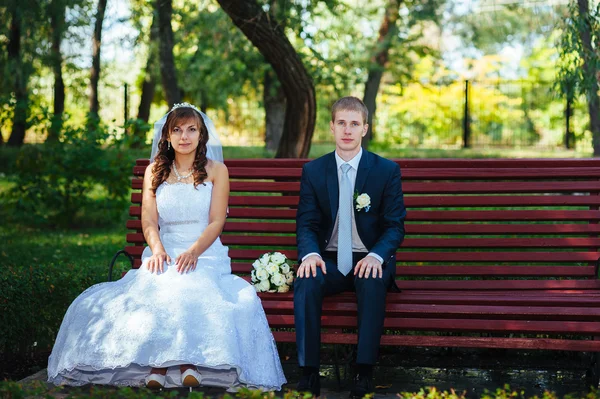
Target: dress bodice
(183, 214)
(181, 204)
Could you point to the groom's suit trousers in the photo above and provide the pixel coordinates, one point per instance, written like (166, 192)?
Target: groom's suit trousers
(370, 296)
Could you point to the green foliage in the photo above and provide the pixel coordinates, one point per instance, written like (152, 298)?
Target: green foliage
(42, 272)
(14, 390)
(56, 182)
(572, 76)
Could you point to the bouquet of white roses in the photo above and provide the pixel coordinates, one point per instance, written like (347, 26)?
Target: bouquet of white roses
(272, 273)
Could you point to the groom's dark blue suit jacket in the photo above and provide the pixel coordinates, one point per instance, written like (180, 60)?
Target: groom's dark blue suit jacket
(381, 229)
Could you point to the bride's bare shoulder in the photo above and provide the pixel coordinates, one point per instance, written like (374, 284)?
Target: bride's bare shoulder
(216, 170)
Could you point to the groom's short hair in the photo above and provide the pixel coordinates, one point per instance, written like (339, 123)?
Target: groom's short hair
(350, 103)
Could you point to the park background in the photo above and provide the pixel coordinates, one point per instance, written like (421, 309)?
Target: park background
(81, 82)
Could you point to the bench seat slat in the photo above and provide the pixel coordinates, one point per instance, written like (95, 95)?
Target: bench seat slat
(452, 311)
(452, 325)
(477, 270)
(496, 298)
(457, 342)
(497, 284)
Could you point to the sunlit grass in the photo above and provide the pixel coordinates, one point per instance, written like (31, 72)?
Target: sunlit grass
(90, 248)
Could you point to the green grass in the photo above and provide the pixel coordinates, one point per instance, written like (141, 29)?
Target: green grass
(88, 248)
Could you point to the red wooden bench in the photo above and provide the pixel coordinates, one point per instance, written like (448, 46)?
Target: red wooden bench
(498, 253)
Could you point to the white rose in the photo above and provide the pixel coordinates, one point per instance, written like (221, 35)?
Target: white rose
(262, 275)
(285, 268)
(278, 279)
(283, 288)
(278, 258)
(257, 264)
(263, 286)
(363, 200)
(264, 259)
(272, 268)
(289, 277)
(253, 274)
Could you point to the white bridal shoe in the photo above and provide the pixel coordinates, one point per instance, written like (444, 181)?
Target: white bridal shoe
(155, 381)
(191, 378)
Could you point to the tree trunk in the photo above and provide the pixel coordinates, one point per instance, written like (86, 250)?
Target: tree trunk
(268, 37)
(149, 84)
(274, 100)
(379, 59)
(95, 71)
(20, 75)
(168, 72)
(591, 75)
(57, 17)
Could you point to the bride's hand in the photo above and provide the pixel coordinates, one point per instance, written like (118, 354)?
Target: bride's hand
(186, 262)
(157, 261)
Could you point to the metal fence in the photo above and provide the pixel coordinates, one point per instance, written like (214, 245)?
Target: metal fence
(500, 113)
(477, 114)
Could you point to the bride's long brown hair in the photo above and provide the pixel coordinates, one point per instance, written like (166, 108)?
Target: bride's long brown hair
(166, 156)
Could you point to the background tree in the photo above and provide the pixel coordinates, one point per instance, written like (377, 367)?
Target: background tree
(269, 38)
(164, 10)
(149, 75)
(387, 32)
(95, 70)
(24, 17)
(580, 61)
(56, 9)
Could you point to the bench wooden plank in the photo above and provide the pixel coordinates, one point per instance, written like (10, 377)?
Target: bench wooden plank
(537, 343)
(414, 201)
(452, 311)
(270, 240)
(488, 173)
(462, 325)
(413, 229)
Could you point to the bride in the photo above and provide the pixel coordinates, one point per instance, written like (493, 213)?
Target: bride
(182, 318)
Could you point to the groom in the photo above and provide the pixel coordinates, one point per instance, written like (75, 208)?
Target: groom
(350, 222)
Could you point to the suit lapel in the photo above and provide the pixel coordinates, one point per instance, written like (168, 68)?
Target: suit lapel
(362, 173)
(333, 188)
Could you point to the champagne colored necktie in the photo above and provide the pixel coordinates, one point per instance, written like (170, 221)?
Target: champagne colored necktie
(344, 253)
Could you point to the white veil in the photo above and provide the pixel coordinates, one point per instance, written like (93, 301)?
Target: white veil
(214, 149)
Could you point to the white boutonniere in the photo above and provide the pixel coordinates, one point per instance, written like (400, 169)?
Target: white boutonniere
(362, 201)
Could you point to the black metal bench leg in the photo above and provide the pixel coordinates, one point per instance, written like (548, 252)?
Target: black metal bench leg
(593, 372)
(114, 259)
(336, 366)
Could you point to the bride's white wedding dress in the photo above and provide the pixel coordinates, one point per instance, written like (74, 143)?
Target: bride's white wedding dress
(113, 333)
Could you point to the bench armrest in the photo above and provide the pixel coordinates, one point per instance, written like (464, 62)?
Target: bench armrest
(114, 259)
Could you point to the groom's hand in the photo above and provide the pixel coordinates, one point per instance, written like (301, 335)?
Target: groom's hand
(309, 266)
(368, 266)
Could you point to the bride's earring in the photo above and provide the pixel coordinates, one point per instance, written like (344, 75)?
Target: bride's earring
(168, 145)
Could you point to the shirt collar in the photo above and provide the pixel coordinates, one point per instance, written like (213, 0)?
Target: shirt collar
(353, 162)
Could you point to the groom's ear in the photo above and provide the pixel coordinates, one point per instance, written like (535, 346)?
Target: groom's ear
(365, 129)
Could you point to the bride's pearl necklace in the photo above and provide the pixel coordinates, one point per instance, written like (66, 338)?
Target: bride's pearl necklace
(179, 177)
